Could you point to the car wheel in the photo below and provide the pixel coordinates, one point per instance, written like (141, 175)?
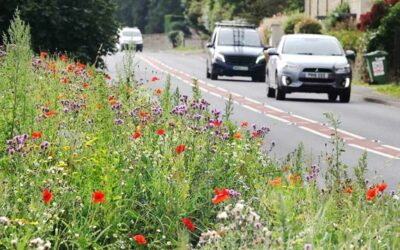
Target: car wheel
(332, 97)
(271, 92)
(345, 96)
(280, 93)
(213, 75)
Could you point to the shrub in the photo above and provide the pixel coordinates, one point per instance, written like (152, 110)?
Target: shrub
(350, 39)
(308, 26)
(289, 25)
(176, 38)
(372, 19)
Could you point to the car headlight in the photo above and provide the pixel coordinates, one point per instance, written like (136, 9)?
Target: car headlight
(291, 67)
(219, 57)
(343, 69)
(260, 59)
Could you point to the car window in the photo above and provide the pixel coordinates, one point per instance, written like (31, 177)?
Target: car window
(312, 46)
(239, 37)
(131, 33)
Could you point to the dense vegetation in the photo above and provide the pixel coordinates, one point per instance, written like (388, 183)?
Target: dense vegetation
(87, 29)
(88, 164)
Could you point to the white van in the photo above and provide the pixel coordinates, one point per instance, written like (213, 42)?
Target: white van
(131, 36)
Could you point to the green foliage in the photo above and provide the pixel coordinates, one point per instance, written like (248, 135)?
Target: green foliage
(350, 39)
(157, 11)
(133, 13)
(308, 26)
(338, 15)
(176, 37)
(292, 21)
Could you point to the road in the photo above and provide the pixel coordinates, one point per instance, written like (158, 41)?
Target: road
(365, 126)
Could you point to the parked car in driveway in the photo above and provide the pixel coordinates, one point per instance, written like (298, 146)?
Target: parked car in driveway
(235, 49)
(131, 37)
(309, 63)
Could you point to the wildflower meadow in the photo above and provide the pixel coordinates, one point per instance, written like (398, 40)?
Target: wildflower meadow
(92, 162)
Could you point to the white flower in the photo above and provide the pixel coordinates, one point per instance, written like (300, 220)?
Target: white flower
(222, 216)
(4, 220)
(396, 197)
(238, 208)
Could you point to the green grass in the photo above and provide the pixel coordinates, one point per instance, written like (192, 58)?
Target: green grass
(149, 185)
(390, 89)
(189, 49)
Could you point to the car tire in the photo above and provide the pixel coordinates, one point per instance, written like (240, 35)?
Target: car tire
(213, 75)
(271, 92)
(280, 94)
(208, 75)
(345, 96)
(332, 97)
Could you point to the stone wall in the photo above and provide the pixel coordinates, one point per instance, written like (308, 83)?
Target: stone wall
(156, 42)
(316, 8)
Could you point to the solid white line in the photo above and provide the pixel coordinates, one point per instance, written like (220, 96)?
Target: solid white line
(315, 132)
(273, 108)
(351, 134)
(222, 89)
(203, 89)
(391, 147)
(214, 94)
(374, 151)
(277, 118)
(250, 108)
(305, 119)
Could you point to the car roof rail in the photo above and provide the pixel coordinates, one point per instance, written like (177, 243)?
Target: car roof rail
(235, 23)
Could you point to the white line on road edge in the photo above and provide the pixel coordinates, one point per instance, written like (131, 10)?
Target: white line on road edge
(391, 147)
(278, 118)
(351, 134)
(374, 151)
(315, 132)
(303, 118)
(252, 109)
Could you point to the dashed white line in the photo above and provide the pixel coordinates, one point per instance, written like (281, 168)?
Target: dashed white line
(391, 147)
(277, 118)
(351, 134)
(305, 119)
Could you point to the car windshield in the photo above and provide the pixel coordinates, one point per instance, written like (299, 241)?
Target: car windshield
(239, 37)
(131, 33)
(312, 46)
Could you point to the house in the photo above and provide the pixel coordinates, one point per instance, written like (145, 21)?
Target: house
(321, 8)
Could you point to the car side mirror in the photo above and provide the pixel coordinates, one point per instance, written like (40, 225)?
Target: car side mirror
(272, 52)
(351, 54)
(209, 45)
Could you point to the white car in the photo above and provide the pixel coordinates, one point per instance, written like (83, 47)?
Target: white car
(131, 36)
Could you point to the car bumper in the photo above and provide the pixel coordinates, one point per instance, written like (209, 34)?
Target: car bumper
(226, 69)
(336, 83)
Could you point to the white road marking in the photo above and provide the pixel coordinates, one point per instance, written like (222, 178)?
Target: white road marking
(351, 134)
(315, 132)
(391, 147)
(278, 118)
(374, 151)
(252, 109)
(305, 119)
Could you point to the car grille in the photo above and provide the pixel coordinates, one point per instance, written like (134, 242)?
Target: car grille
(317, 70)
(240, 60)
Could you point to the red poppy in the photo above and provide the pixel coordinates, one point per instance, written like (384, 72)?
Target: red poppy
(254, 134)
(381, 187)
(70, 67)
(220, 196)
(36, 135)
(98, 197)
(77, 71)
(244, 124)
(43, 54)
(372, 193)
(348, 190)
(216, 123)
(160, 131)
(140, 239)
(237, 135)
(64, 58)
(108, 77)
(143, 114)
(64, 80)
(50, 113)
(155, 78)
(136, 135)
(81, 65)
(276, 182)
(180, 148)
(158, 91)
(46, 195)
(294, 179)
(189, 224)
(85, 85)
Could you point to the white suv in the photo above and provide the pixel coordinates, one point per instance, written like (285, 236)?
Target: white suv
(131, 36)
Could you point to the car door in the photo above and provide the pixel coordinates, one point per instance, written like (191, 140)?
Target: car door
(272, 67)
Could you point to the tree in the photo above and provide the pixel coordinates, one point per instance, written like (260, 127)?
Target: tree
(86, 29)
(156, 12)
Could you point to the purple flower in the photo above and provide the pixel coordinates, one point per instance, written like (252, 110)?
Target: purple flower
(197, 117)
(233, 193)
(44, 145)
(118, 121)
(157, 110)
(307, 246)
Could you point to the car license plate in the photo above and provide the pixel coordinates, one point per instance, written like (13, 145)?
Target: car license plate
(317, 75)
(241, 68)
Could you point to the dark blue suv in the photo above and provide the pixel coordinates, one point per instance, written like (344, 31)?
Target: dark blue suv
(235, 49)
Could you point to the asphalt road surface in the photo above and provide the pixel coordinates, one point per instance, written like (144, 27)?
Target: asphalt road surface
(365, 126)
